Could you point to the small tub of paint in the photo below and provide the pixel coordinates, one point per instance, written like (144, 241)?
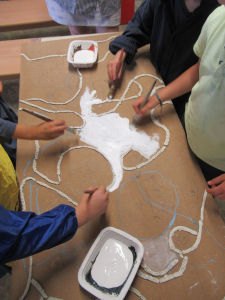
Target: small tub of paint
(82, 54)
(111, 264)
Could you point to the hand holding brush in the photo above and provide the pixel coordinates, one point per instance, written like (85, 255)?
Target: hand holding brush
(115, 71)
(138, 117)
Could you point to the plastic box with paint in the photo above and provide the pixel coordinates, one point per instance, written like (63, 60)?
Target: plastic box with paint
(82, 53)
(117, 292)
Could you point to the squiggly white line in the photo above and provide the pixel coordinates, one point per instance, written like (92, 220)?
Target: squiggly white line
(153, 278)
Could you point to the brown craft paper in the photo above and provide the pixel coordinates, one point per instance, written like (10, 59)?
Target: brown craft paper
(144, 203)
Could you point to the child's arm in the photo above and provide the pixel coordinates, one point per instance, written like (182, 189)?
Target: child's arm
(92, 206)
(26, 233)
(115, 66)
(42, 131)
(176, 88)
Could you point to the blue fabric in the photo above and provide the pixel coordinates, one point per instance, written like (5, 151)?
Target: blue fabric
(8, 120)
(25, 233)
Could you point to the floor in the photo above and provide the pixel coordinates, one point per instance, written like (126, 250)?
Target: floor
(11, 94)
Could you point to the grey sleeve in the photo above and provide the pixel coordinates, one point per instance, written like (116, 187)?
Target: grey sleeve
(7, 129)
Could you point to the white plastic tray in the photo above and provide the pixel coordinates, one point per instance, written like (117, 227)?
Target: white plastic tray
(82, 53)
(121, 236)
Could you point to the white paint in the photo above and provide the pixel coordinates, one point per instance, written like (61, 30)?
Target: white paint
(112, 265)
(89, 116)
(166, 277)
(194, 285)
(113, 136)
(83, 56)
(189, 230)
(119, 149)
(213, 280)
(137, 293)
(158, 258)
(151, 276)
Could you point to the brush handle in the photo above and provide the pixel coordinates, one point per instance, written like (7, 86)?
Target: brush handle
(90, 192)
(36, 114)
(145, 101)
(46, 119)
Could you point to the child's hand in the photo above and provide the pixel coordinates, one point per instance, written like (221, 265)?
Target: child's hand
(42, 131)
(217, 187)
(115, 66)
(48, 130)
(137, 104)
(152, 102)
(92, 206)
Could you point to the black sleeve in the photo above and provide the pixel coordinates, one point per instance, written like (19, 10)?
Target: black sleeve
(137, 33)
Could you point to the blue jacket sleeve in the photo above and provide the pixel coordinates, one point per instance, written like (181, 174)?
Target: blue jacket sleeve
(137, 32)
(8, 120)
(25, 233)
(7, 129)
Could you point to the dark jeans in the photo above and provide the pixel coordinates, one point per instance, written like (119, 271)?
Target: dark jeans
(208, 171)
(179, 105)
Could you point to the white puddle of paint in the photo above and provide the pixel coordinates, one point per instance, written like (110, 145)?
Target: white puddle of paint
(112, 265)
(83, 56)
(113, 136)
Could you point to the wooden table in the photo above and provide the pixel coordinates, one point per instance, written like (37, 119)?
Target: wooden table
(10, 57)
(149, 201)
(24, 14)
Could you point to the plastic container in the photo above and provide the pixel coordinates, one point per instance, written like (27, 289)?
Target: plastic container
(82, 53)
(109, 234)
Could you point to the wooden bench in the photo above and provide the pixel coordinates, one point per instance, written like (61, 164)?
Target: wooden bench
(20, 17)
(10, 57)
(27, 14)
(24, 14)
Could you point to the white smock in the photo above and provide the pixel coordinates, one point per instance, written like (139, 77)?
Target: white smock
(86, 13)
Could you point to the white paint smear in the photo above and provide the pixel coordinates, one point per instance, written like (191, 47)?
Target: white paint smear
(112, 265)
(113, 136)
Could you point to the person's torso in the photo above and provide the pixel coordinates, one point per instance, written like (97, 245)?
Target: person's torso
(174, 33)
(205, 112)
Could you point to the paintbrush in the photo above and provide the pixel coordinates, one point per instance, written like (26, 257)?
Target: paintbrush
(112, 90)
(138, 118)
(90, 192)
(44, 118)
(115, 83)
